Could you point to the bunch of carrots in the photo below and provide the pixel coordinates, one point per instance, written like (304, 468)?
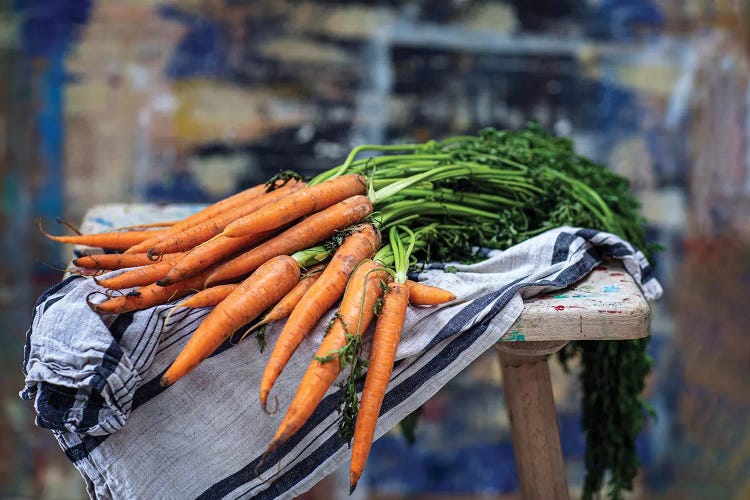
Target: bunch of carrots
(291, 250)
(252, 257)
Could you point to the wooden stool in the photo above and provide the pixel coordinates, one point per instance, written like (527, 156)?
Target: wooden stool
(606, 305)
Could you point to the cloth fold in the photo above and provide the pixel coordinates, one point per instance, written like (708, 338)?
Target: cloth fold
(95, 380)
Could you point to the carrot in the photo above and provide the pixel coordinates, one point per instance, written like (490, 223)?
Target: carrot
(204, 298)
(304, 202)
(204, 231)
(311, 230)
(425, 295)
(209, 253)
(382, 355)
(206, 214)
(149, 296)
(209, 296)
(266, 285)
(116, 240)
(321, 296)
(287, 304)
(149, 225)
(113, 261)
(140, 276)
(353, 318)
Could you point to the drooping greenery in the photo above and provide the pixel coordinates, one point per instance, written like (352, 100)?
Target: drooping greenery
(495, 190)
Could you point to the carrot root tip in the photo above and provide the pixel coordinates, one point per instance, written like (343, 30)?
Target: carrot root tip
(152, 255)
(96, 306)
(264, 405)
(164, 381)
(275, 443)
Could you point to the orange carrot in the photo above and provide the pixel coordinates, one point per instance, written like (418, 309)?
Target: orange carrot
(148, 225)
(425, 295)
(310, 231)
(360, 245)
(206, 214)
(116, 240)
(113, 261)
(286, 305)
(353, 318)
(204, 231)
(209, 253)
(140, 276)
(266, 285)
(382, 355)
(149, 296)
(204, 298)
(304, 202)
(209, 296)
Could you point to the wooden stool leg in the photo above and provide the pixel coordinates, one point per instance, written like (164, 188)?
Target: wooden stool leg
(533, 419)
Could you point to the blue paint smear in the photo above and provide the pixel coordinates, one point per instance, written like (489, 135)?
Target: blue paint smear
(181, 188)
(611, 288)
(102, 221)
(621, 19)
(203, 50)
(46, 30)
(47, 26)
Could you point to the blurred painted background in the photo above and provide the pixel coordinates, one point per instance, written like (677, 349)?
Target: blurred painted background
(184, 100)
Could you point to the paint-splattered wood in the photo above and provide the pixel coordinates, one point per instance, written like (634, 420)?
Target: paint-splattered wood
(606, 305)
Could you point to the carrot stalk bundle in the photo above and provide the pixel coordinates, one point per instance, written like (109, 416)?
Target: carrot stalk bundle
(308, 232)
(466, 192)
(322, 295)
(299, 204)
(265, 286)
(353, 317)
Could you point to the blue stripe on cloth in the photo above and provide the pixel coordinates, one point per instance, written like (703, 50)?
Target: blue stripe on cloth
(121, 324)
(57, 402)
(647, 273)
(84, 448)
(587, 234)
(561, 249)
(53, 411)
(52, 302)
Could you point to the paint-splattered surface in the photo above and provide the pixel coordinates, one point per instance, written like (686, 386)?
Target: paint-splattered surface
(606, 305)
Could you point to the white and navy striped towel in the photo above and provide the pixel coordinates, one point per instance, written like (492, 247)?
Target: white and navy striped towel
(94, 379)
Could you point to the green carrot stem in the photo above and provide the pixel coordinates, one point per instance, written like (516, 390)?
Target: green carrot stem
(311, 256)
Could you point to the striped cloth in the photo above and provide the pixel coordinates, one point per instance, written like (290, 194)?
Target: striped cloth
(95, 380)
